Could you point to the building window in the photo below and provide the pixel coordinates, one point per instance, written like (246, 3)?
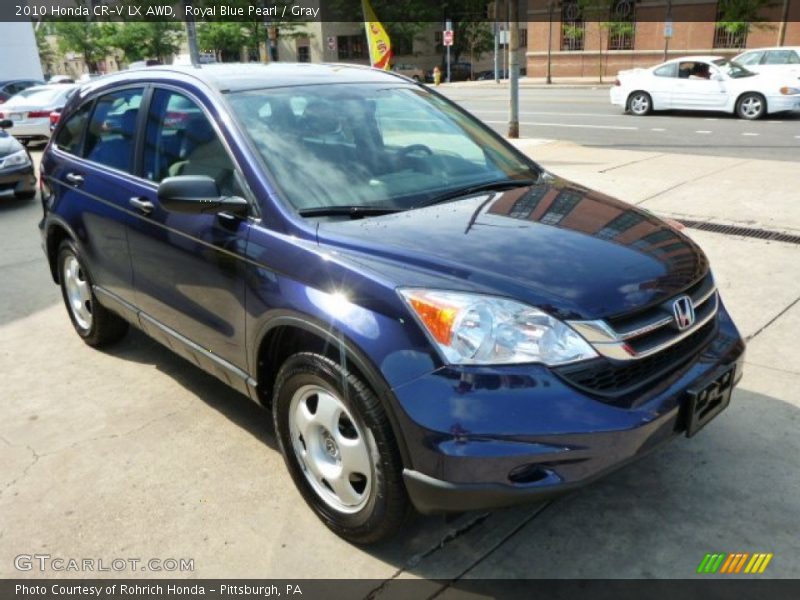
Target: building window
(523, 207)
(351, 46)
(561, 207)
(622, 27)
(523, 37)
(729, 34)
(573, 27)
(402, 44)
(620, 223)
(303, 54)
(438, 41)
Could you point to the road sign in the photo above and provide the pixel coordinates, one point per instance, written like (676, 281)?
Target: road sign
(668, 29)
(447, 38)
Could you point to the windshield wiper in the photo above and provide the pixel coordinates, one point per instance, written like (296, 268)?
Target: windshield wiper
(473, 189)
(354, 212)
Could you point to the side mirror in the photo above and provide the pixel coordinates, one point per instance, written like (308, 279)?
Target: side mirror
(198, 195)
(717, 77)
(6, 124)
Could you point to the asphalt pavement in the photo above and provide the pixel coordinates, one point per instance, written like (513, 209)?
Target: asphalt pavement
(132, 452)
(584, 114)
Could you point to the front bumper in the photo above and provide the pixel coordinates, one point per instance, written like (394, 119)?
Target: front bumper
(485, 438)
(18, 180)
(782, 103)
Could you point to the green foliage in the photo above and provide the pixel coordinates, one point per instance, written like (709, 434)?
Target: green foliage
(91, 40)
(222, 38)
(151, 39)
(573, 32)
(47, 56)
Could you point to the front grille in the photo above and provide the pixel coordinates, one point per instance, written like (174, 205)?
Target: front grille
(605, 378)
(637, 348)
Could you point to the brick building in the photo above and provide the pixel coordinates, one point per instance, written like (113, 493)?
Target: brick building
(634, 37)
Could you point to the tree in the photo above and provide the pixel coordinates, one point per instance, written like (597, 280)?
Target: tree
(224, 39)
(151, 39)
(47, 55)
(737, 17)
(89, 39)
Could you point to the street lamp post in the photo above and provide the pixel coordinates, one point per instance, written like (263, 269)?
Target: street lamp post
(550, 4)
(513, 69)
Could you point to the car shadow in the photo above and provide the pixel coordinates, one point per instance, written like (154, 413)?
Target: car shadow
(724, 116)
(731, 488)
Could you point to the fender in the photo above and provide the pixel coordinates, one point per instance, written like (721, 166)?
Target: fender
(332, 335)
(49, 223)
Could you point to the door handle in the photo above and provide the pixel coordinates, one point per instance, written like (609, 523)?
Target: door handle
(143, 206)
(74, 178)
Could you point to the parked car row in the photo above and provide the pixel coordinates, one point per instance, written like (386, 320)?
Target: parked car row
(32, 110)
(713, 83)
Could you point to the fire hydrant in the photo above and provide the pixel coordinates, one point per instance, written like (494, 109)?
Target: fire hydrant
(437, 75)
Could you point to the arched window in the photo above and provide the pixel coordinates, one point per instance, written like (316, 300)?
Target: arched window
(622, 25)
(573, 27)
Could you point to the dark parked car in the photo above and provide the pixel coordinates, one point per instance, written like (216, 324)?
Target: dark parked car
(15, 86)
(16, 167)
(432, 319)
(459, 71)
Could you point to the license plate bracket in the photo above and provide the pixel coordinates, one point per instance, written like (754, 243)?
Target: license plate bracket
(707, 401)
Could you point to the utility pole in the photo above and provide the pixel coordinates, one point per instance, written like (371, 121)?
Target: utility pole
(550, 4)
(191, 35)
(513, 69)
(782, 27)
(497, 45)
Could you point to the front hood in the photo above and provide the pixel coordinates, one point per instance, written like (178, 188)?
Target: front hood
(8, 144)
(556, 245)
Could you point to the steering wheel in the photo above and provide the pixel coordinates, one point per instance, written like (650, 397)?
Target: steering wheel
(406, 150)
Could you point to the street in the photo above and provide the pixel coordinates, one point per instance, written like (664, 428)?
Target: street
(583, 114)
(134, 452)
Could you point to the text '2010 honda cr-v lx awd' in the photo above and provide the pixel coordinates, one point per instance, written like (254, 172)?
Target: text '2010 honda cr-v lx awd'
(432, 319)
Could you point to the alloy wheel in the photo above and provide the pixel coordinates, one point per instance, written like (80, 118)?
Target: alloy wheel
(640, 104)
(751, 107)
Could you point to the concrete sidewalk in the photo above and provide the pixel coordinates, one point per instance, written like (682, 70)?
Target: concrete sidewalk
(133, 452)
(539, 82)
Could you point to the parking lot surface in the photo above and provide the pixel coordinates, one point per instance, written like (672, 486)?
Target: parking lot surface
(134, 452)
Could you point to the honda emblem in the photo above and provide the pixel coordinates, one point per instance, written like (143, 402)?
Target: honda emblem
(683, 311)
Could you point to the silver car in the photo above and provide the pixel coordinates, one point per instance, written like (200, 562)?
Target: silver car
(30, 110)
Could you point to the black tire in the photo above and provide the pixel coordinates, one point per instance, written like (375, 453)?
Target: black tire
(25, 195)
(416, 78)
(751, 106)
(105, 327)
(639, 104)
(386, 505)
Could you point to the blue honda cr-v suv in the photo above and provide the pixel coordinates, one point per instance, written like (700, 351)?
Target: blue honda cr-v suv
(432, 318)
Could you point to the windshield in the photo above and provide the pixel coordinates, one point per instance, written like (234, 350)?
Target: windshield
(367, 145)
(732, 69)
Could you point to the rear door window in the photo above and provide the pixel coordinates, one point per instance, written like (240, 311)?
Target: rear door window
(71, 133)
(112, 129)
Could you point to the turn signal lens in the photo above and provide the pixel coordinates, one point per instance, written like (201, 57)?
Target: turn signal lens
(790, 91)
(437, 317)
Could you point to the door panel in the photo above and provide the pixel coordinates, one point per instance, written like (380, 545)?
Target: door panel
(188, 269)
(92, 192)
(693, 92)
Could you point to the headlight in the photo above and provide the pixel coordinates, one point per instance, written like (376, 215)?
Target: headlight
(790, 91)
(473, 329)
(18, 159)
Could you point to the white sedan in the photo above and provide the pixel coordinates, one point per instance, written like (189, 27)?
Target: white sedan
(30, 110)
(784, 60)
(704, 83)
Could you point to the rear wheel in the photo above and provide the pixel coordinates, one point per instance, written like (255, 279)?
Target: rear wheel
(93, 322)
(640, 103)
(339, 448)
(751, 106)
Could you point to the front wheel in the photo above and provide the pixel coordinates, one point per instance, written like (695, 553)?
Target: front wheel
(640, 103)
(751, 106)
(339, 448)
